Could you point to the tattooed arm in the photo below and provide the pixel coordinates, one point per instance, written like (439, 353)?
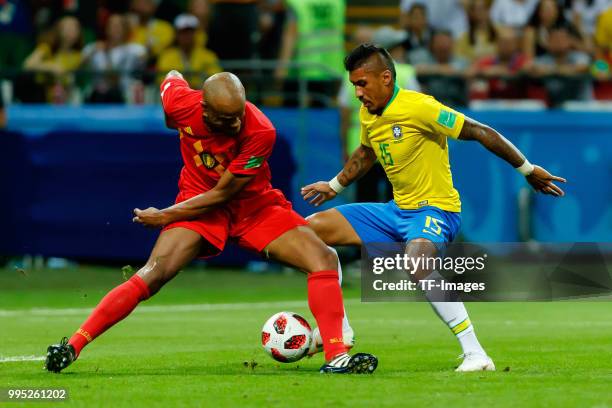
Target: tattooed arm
(361, 161)
(540, 179)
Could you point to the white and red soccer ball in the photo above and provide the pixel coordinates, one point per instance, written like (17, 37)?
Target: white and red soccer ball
(286, 337)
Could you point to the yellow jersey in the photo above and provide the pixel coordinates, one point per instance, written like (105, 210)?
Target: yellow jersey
(200, 64)
(410, 141)
(157, 35)
(603, 30)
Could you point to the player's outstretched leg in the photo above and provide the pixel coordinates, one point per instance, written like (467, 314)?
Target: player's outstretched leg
(301, 248)
(452, 312)
(333, 229)
(348, 335)
(173, 250)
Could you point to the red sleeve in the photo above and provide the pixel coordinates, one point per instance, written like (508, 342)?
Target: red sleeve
(253, 153)
(174, 92)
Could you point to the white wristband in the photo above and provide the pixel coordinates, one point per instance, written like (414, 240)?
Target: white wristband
(335, 185)
(526, 168)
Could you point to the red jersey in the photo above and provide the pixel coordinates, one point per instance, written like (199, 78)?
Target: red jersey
(207, 155)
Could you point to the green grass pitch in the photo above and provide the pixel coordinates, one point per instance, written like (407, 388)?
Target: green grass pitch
(196, 344)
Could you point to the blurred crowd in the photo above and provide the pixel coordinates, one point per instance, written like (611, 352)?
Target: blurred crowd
(290, 51)
(549, 50)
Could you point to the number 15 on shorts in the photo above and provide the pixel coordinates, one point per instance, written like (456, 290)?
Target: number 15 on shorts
(432, 225)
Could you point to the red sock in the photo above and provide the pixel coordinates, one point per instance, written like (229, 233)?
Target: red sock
(114, 307)
(325, 302)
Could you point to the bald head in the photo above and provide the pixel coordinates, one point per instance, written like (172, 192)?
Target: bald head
(224, 93)
(223, 100)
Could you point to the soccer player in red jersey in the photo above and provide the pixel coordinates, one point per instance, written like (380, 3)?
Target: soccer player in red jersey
(224, 192)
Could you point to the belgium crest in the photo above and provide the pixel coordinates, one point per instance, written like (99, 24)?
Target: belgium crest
(208, 160)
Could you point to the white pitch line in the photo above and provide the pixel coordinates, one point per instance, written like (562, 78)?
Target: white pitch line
(204, 307)
(20, 358)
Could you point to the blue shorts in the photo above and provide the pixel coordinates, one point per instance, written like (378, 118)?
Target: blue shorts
(386, 222)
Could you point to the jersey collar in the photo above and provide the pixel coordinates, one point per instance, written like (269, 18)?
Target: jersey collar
(396, 89)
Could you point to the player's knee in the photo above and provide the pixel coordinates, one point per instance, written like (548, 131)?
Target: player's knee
(326, 260)
(156, 276)
(314, 222)
(331, 258)
(417, 248)
(318, 224)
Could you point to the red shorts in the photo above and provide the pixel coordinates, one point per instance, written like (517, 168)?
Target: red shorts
(253, 232)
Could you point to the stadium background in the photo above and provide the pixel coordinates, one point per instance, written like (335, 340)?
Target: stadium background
(83, 142)
(72, 169)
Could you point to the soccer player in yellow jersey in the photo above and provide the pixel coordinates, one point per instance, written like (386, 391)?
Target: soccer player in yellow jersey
(407, 132)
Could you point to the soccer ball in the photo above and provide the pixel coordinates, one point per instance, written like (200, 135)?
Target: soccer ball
(286, 337)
